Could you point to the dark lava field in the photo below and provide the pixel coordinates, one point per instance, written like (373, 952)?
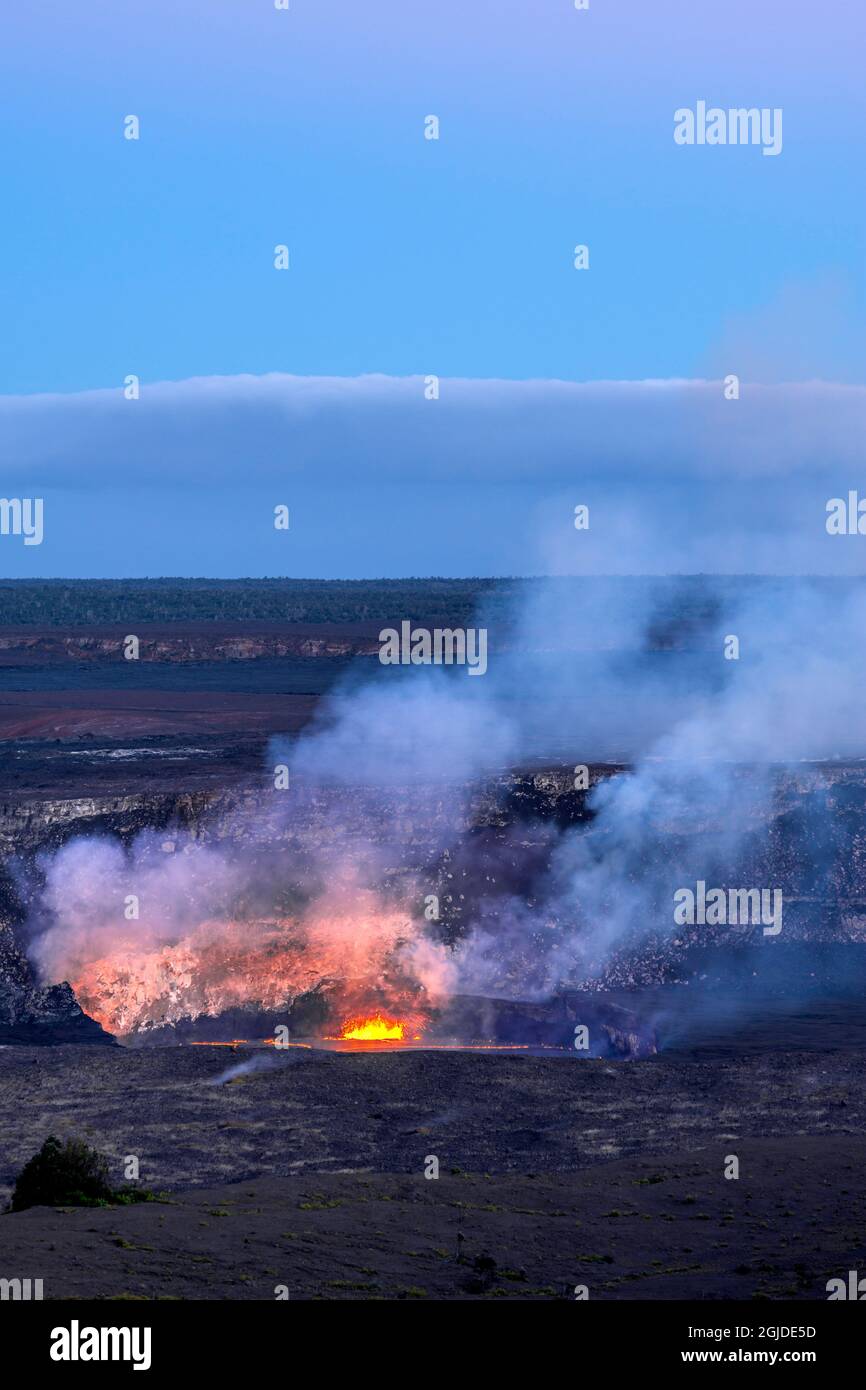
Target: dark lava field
(308, 1170)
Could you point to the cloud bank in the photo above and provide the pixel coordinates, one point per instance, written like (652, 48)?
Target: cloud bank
(233, 428)
(483, 478)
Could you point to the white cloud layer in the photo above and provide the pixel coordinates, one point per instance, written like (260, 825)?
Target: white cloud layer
(483, 480)
(246, 428)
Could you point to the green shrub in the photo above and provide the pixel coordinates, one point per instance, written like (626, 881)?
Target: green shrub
(69, 1175)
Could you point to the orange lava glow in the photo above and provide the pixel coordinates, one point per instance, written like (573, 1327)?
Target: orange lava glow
(375, 1029)
(360, 959)
(248, 1042)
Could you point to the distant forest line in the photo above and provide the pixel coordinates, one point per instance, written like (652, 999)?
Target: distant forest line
(72, 602)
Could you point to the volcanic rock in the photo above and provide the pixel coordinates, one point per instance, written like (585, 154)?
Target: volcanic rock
(39, 1016)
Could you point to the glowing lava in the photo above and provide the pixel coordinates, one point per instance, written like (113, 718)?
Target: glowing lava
(371, 964)
(376, 1029)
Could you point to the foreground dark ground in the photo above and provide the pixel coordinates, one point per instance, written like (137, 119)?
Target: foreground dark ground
(307, 1170)
(664, 1227)
(199, 1116)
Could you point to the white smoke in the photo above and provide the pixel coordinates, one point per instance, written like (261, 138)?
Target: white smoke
(567, 684)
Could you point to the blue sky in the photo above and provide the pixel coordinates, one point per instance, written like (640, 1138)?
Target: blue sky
(409, 256)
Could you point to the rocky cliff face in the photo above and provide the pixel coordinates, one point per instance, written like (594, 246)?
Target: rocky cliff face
(30, 1012)
(183, 642)
(39, 1016)
(34, 825)
(489, 841)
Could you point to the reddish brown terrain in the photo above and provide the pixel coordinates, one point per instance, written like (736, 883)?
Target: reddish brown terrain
(81, 714)
(92, 657)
